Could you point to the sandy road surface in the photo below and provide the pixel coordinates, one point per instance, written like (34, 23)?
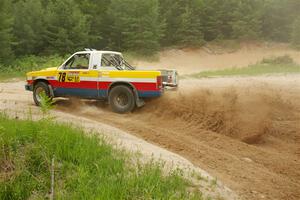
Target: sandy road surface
(244, 131)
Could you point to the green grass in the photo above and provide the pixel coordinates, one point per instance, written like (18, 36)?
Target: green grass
(277, 65)
(253, 70)
(19, 67)
(85, 167)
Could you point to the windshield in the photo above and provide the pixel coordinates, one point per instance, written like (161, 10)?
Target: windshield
(115, 60)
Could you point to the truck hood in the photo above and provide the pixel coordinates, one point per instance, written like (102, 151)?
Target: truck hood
(50, 69)
(43, 72)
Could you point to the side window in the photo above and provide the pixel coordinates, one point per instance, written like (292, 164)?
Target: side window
(111, 60)
(78, 61)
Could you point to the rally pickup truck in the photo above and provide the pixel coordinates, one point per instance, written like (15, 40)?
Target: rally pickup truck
(103, 75)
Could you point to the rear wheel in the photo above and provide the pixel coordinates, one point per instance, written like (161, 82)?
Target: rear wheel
(121, 99)
(38, 90)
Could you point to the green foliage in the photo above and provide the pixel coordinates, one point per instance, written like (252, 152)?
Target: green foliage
(29, 27)
(170, 13)
(190, 30)
(278, 17)
(45, 27)
(135, 25)
(216, 17)
(6, 37)
(231, 19)
(85, 167)
(46, 103)
(247, 26)
(295, 38)
(280, 60)
(19, 67)
(67, 27)
(97, 16)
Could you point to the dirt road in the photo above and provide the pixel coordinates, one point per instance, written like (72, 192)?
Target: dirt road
(244, 131)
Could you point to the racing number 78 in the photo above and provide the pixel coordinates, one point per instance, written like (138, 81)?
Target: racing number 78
(62, 76)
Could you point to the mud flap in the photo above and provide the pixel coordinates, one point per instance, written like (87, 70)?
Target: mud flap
(139, 102)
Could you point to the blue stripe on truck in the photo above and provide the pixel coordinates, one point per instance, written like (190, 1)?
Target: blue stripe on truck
(93, 93)
(149, 94)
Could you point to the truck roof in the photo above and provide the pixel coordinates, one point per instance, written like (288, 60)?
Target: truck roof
(102, 52)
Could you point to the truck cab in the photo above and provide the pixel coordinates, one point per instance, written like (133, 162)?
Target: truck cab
(104, 75)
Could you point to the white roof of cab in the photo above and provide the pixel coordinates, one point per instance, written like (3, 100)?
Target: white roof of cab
(102, 52)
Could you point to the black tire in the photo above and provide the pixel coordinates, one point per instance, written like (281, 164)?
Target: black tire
(38, 88)
(121, 99)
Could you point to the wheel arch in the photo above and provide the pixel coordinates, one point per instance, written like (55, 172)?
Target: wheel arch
(40, 80)
(117, 83)
(44, 81)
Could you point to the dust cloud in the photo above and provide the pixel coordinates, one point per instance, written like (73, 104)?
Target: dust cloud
(248, 118)
(188, 61)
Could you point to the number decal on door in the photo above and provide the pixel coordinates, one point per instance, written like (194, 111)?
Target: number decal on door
(70, 77)
(62, 76)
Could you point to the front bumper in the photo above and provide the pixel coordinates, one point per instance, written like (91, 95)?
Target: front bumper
(29, 87)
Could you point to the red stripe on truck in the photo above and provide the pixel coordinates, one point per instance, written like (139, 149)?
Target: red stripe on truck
(102, 85)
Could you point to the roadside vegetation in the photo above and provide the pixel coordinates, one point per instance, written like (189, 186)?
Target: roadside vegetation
(19, 67)
(276, 65)
(83, 167)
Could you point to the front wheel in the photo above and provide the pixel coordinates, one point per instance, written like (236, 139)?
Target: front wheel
(38, 91)
(121, 99)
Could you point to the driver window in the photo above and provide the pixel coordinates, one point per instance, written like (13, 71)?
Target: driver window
(78, 61)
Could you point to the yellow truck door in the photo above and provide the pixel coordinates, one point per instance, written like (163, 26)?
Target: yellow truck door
(75, 78)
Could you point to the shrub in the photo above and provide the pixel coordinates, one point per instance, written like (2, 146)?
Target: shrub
(295, 36)
(280, 60)
(20, 66)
